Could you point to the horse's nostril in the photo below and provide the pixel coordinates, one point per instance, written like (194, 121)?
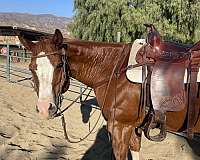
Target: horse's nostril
(52, 109)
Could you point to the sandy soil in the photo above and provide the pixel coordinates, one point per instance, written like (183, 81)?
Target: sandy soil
(25, 136)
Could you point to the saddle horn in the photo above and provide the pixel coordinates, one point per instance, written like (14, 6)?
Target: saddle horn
(153, 37)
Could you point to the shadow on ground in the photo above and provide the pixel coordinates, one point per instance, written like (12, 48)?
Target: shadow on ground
(101, 148)
(86, 108)
(195, 144)
(56, 152)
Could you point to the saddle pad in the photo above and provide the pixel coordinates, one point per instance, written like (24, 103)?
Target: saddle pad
(167, 86)
(135, 74)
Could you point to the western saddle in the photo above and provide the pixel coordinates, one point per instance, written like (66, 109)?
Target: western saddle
(165, 81)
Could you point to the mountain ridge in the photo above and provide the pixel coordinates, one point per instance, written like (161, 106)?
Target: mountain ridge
(40, 22)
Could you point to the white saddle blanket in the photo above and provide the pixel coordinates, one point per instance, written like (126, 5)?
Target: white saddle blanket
(135, 74)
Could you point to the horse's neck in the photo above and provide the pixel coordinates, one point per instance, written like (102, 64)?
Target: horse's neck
(93, 65)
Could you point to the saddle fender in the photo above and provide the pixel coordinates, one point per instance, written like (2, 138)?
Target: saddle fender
(167, 86)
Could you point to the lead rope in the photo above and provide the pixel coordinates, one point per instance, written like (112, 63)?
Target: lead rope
(64, 125)
(81, 139)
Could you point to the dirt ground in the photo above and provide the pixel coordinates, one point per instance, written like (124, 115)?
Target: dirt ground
(26, 136)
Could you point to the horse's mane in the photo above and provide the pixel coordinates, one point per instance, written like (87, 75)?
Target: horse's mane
(85, 43)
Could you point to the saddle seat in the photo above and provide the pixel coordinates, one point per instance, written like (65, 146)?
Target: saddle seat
(168, 51)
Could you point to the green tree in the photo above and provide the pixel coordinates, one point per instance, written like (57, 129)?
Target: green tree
(176, 19)
(100, 20)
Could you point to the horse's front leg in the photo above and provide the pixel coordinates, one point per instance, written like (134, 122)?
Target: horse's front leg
(135, 143)
(121, 135)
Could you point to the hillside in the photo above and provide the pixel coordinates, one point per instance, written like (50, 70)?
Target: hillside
(42, 22)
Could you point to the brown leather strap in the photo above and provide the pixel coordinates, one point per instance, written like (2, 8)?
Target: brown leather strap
(192, 95)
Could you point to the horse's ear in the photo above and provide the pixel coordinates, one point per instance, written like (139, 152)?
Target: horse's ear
(26, 43)
(58, 38)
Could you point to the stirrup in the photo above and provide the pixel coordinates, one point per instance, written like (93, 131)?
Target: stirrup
(152, 123)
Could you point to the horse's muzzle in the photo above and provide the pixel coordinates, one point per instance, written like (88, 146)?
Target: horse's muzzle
(47, 110)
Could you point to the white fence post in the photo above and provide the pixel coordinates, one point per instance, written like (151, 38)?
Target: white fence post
(8, 63)
(118, 36)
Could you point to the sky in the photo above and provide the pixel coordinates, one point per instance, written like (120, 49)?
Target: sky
(62, 8)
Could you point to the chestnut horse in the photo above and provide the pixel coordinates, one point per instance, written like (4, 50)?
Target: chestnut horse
(95, 64)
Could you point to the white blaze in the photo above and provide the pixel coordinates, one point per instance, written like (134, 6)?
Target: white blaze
(45, 72)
